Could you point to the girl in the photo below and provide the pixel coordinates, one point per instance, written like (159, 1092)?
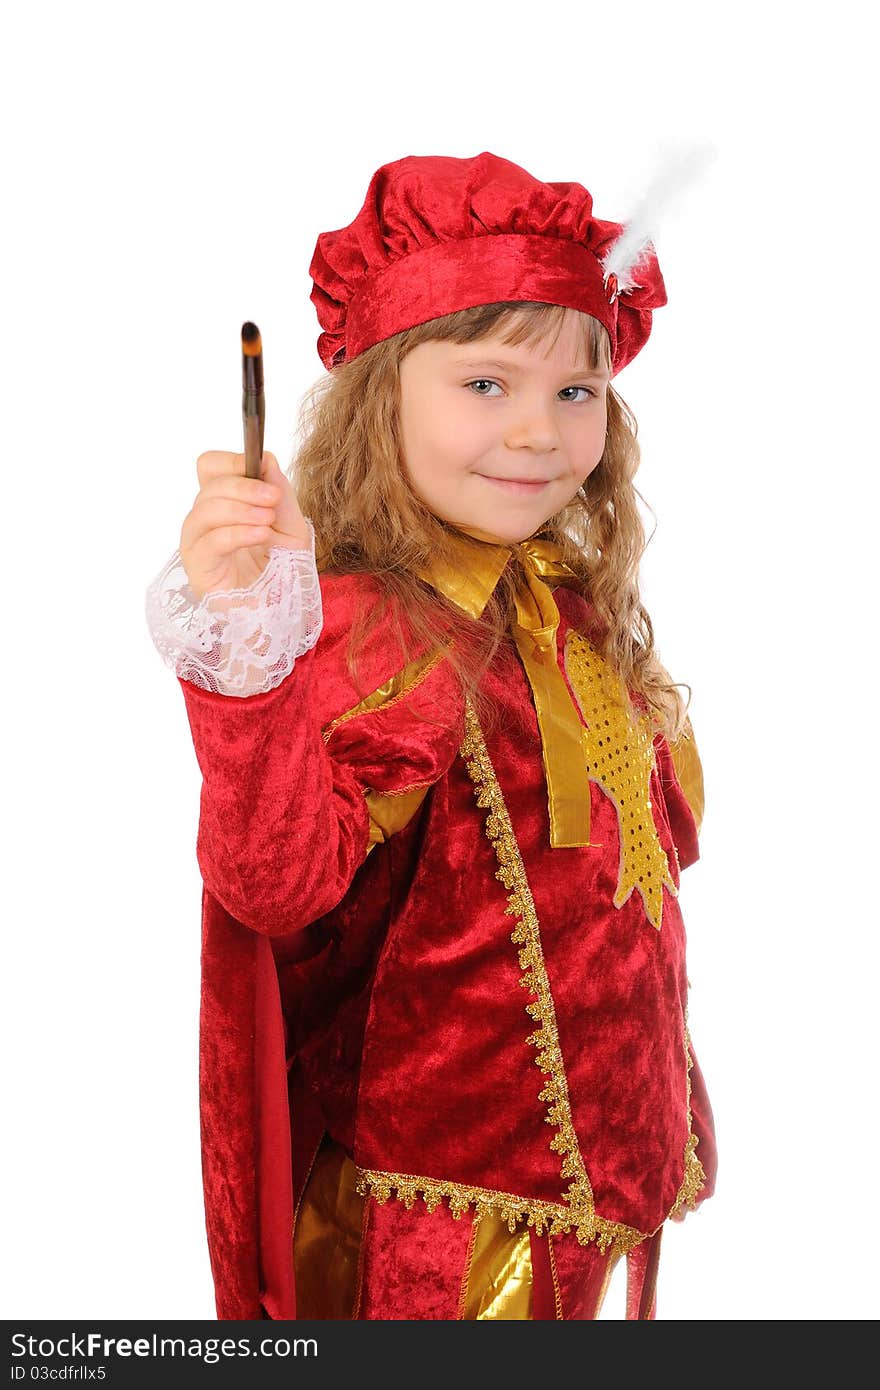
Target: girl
(448, 790)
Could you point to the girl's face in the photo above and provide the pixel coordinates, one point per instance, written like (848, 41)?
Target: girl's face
(496, 439)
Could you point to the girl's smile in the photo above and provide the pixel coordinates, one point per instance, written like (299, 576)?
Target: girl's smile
(527, 489)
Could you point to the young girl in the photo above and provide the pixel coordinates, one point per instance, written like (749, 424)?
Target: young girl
(448, 787)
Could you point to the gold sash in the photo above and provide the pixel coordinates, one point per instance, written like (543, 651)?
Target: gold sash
(534, 631)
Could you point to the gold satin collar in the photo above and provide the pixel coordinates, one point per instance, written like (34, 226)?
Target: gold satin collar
(470, 585)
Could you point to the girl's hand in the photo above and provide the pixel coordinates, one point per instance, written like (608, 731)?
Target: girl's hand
(226, 537)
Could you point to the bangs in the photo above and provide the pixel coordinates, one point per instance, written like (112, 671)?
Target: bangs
(516, 322)
(537, 325)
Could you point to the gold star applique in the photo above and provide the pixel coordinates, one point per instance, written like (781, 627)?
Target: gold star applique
(619, 749)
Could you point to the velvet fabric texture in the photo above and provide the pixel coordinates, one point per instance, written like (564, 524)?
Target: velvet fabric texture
(374, 994)
(437, 234)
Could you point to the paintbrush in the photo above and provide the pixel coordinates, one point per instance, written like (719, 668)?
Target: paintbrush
(253, 402)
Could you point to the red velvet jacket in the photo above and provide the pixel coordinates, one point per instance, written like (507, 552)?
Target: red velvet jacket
(393, 951)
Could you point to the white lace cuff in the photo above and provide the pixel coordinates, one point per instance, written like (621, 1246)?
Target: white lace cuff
(238, 641)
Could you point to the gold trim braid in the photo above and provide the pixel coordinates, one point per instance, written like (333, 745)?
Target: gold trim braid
(484, 1200)
(694, 1172)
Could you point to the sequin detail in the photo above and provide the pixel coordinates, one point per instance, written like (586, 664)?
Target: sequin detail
(619, 748)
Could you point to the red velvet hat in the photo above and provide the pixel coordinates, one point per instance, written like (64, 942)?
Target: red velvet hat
(438, 234)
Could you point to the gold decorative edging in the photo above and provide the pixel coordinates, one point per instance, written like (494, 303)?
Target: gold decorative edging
(553, 1215)
(694, 1172)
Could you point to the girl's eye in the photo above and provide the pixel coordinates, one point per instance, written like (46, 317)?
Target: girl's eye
(485, 381)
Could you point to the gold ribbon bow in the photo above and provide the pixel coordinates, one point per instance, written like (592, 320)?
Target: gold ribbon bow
(534, 631)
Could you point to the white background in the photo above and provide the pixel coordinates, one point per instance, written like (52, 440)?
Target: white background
(167, 171)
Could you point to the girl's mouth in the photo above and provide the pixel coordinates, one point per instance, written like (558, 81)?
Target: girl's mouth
(513, 486)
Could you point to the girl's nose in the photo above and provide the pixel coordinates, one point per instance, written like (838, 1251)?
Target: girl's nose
(533, 428)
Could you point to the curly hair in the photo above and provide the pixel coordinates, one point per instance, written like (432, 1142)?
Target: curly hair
(350, 481)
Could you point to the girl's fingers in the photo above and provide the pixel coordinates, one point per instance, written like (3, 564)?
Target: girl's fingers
(232, 490)
(239, 489)
(233, 513)
(226, 540)
(213, 512)
(216, 462)
(290, 522)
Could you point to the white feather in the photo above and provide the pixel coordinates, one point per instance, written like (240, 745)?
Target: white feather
(678, 170)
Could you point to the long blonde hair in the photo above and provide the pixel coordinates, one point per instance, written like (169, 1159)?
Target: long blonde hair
(350, 481)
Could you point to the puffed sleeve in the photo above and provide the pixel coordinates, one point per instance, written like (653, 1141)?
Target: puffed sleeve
(301, 781)
(681, 777)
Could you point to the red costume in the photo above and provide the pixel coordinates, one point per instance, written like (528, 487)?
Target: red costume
(399, 961)
(445, 1065)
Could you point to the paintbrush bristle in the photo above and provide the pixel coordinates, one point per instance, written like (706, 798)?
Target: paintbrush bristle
(251, 343)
